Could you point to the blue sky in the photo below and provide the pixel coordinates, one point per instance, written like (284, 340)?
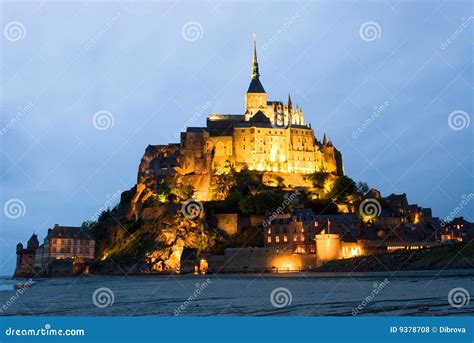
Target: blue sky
(63, 62)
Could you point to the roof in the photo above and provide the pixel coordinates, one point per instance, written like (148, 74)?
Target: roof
(304, 215)
(338, 217)
(255, 86)
(70, 232)
(349, 237)
(260, 117)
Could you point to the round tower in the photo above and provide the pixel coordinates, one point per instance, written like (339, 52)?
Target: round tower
(328, 247)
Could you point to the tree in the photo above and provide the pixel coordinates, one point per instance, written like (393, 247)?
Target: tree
(319, 178)
(362, 187)
(279, 181)
(344, 190)
(248, 181)
(184, 191)
(323, 206)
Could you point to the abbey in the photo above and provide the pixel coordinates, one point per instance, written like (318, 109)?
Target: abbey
(268, 136)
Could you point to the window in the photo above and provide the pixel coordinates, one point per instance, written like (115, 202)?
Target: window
(295, 238)
(277, 239)
(269, 239)
(285, 238)
(269, 231)
(243, 130)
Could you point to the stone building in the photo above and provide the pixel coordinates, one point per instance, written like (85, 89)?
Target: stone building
(65, 243)
(268, 136)
(26, 257)
(297, 231)
(458, 229)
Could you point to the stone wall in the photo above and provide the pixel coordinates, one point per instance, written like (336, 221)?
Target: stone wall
(271, 260)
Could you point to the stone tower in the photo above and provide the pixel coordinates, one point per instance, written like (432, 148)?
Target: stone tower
(26, 257)
(256, 97)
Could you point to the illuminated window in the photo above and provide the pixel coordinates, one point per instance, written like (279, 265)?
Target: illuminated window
(285, 238)
(295, 238)
(277, 239)
(269, 239)
(269, 231)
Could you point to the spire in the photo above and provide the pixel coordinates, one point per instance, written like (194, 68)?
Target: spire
(325, 140)
(255, 84)
(255, 73)
(289, 102)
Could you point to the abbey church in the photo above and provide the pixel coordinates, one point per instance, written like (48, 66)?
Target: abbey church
(268, 136)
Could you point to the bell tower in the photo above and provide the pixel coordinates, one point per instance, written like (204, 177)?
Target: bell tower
(256, 97)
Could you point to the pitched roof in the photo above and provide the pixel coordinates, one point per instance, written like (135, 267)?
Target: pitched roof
(70, 232)
(259, 117)
(255, 86)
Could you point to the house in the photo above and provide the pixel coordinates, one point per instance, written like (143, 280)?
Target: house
(65, 243)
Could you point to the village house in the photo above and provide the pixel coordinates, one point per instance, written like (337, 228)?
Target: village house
(66, 250)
